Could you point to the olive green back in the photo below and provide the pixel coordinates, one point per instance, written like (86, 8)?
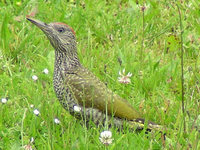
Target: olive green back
(89, 91)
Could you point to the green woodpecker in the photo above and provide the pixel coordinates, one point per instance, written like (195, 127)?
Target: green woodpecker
(79, 91)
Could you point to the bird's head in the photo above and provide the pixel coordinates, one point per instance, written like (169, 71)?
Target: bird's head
(61, 36)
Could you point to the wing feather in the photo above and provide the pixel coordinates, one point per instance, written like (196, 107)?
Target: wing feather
(89, 91)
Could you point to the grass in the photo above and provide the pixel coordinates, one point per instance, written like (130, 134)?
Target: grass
(111, 35)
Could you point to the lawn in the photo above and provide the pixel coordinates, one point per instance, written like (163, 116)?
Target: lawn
(144, 38)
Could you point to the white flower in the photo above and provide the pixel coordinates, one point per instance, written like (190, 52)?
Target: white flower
(34, 77)
(45, 71)
(106, 137)
(31, 105)
(4, 100)
(144, 6)
(57, 121)
(31, 140)
(28, 147)
(124, 78)
(36, 112)
(77, 108)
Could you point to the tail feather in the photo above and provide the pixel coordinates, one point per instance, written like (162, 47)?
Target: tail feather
(140, 124)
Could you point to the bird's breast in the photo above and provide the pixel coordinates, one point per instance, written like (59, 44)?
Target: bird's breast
(58, 84)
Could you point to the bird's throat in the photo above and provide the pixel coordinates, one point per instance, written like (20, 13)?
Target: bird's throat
(66, 61)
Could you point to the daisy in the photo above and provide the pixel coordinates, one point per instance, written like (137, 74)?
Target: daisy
(36, 112)
(57, 121)
(106, 137)
(125, 79)
(4, 100)
(45, 71)
(34, 77)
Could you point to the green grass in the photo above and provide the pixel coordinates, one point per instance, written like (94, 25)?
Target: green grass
(107, 31)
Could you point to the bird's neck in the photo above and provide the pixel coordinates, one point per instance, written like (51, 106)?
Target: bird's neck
(66, 61)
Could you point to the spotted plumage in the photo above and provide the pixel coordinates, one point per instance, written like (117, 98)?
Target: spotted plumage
(79, 91)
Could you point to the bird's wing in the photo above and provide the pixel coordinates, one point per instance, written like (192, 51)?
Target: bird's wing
(89, 91)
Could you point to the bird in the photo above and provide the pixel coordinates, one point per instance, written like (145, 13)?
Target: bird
(80, 92)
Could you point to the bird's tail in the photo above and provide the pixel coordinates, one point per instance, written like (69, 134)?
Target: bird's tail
(141, 124)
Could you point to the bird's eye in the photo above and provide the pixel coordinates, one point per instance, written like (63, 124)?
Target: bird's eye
(61, 30)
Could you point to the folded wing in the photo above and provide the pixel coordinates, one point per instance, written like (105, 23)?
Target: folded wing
(89, 91)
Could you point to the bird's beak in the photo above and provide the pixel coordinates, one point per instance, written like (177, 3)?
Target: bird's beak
(43, 26)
